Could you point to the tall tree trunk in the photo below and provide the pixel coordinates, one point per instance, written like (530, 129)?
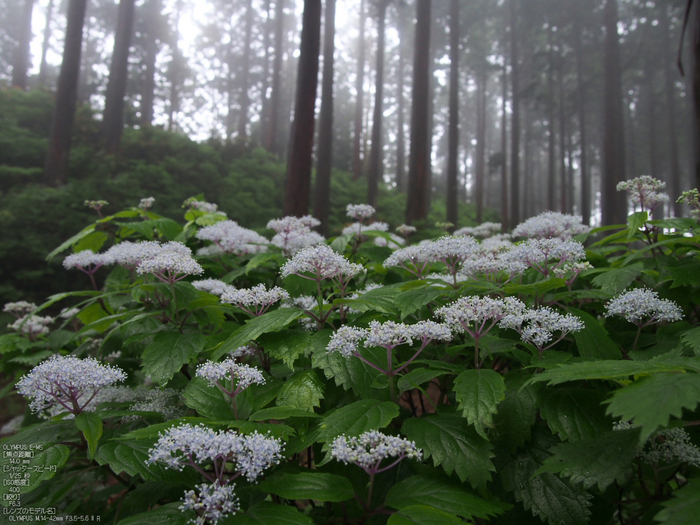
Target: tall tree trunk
(515, 124)
(325, 132)
(175, 71)
(674, 178)
(419, 159)
(613, 203)
(359, 88)
(564, 188)
(551, 149)
(113, 117)
(504, 149)
(650, 106)
(56, 168)
(695, 75)
(581, 100)
(400, 137)
(244, 100)
(453, 133)
(271, 138)
(480, 139)
(265, 102)
(375, 159)
(301, 144)
(45, 44)
(21, 65)
(152, 14)
(528, 182)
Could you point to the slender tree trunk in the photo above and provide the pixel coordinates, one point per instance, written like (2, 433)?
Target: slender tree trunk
(271, 138)
(152, 13)
(56, 168)
(375, 160)
(45, 44)
(360, 89)
(564, 188)
(301, 144)
(325, 135)
(113, 119)
(504, 150)
(480, 139)
(400, 137)
(417, 209)
(21, 65)
(695, 75)
(551, 149)
(265, 102)
(650, 104)
(515, 124)
(674, 177)
(175, 71)
(614, 203)
(244, 100)
(581, 99)
(453, 133)
(528, 182)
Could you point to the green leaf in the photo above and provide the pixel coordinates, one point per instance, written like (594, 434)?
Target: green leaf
(517, 413)
(636, 222)
(92, 313)
(43, 465)
(684, 272)
(254, 328)
(593, 342)
(536, 289)
(207, 400)
(574, 413)
(91, 426)
(692, 339)
(417, 377)
(601, 461)
(615, 280)
(169, 514)
(453, 499)
(452, 443)
(423, 515)
(287, 345)
(604, 370)
(356, 418)
(303, 390)
(651, 401)
(93, 241)
(341, 242)
(131, 457)
(478, 394)
(309, 485)
(411, 301)
(684, 507)
(282, 412)
(168, 352)
(545, 495)
(267, 513)
(70, 242)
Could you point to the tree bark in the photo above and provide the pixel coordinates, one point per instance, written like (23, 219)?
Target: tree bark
(419, 159)
(113, 117)
(244, 100)
(175, 71)
(581, 99)
(21, 65)
(45, 44)
(271, 138)
(551, 149)
(453, 132)
(375, 156)
(515, 123)
(325, 135)
(153, 8)
(480, 140)
(298, 185)
(504, 149)
(359, 88)
(613, 203)
(674, 178)
(56, 168)
(564, 204)
(400, 137)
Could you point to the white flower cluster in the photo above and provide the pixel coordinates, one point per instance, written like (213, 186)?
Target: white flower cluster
(20, 308)
(211, 502)
(294, 233)
(87, 261)
(450, 250)
(537, 326)
(69, 313)
(634, 305)
(172, 262)
(551, 224)
(207, 207)
(405, 230)
(545, 255)
(229, 237)
(360, 212)
(496, 243)
(322, 262)
(156, 400)
(186, 444)
(244, 351)
(345, 340)
(416, 259)
(146, 203)
(471, 314)
(672, 445)
(255, 300)
(369, 449)
(31, 325)
(485, 229)
(304, 302)
(131, 254)
(229, 370)
(67, 381)
(644, 191)
(213, 286)
(356, 227)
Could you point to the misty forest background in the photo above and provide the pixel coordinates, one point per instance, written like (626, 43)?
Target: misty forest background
(459, 111)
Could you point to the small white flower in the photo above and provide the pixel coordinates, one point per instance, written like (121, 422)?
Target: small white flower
(360, 212)
(255, 300)
(634, 305)
(20, 308)
(346, 339)
(228, 370)
(322, 262)
(232, 238)
(405, 229)
(369, 449)
(87, 261)
(644, 190)
(146, 203)
(213, 286)
(551, 224)
(211, 502)
(471, 314)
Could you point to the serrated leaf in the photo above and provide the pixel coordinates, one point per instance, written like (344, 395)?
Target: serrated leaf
(287, 345)
(356, 418)
(452, 443)
(593, 341)
(91, 313)
(309, 485)
(168, 352)
(283, 412)
(636, 221)
(70, 242)
(453, 499)
(574, 413)
(266, 513)
(303, 390)
(615, 280)
(90, 425)
(254, 328)
(692, 339)
(684, 507)
(517, 413)
(478, 394)
(169, 514)
(684, 272)
(601, 461)
(350, 372)
(423, 515)
(128, 456)
(153, 431)
(535, 289)
(44, 465)
(651, 401)
(94, 241)
(417, 377)
(341, 242)
(608, 370)
(45, 433)
(411, 301)
(207, 401)
(545, 495)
